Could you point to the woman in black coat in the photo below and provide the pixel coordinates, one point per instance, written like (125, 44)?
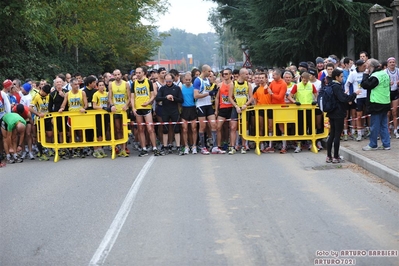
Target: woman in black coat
(337, 115)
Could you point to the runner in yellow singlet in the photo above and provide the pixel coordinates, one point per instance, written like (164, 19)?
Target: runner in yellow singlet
(119, 100)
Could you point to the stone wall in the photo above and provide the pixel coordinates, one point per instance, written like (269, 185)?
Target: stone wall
(384, 32)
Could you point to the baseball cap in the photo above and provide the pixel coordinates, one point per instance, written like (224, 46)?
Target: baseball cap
(161, 69)
(7, 84)
(27, 87)
(359, 62)
(312, 71)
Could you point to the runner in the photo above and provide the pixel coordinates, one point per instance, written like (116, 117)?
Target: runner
(76, 101)
(39, 107)
(189, 115)
(171, 96)
(12, 126)
(100, 101)
(223, 107)
(119, 100)
(142, 97)
(205, 112)
(393, 73)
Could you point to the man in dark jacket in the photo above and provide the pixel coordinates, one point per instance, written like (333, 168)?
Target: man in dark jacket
(337, 115)
(171, 96)
(378, 104)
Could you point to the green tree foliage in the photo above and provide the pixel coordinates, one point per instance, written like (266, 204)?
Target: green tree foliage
(42, 38)
(297, 30)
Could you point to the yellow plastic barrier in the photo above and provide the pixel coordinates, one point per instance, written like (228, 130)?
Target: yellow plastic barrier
(282, 114)
(81, 122)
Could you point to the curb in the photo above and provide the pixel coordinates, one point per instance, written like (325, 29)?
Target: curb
(376, 168)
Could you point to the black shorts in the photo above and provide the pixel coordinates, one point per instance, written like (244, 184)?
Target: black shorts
(351, 106)
(360, 104)
(318, 111)
(48, 126)
(3, 124)
(234, 114)
(99, 124)
(189, 113)
(117, 116)
(394, 95)
(131, 115)
(225, 112)
(60, 126)
(143, 112)
(269, 113)
(205, 111)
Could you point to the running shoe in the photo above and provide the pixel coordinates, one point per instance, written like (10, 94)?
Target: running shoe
(50, 152)
(127, 150)
(319, 146)
(384, 148)
(31, 156)
(359, 137)
(204, 151)
(18, 159)
(155, 151)
(97, 154)
(180, 151)
(194, 150)
(10, 161)
(329, 159)
(336, 160)
(170, 149)
(143, 153)
(162, 152)
(217, 150)
(123, 154)
(345, 137)
(368, 148)
(186, 150)
(232, 151)
(298, 149)
(43, 157)
(76, 153)
(103, 154)
(243, 150)
(268, 150)
(283, 151)
(397, 135)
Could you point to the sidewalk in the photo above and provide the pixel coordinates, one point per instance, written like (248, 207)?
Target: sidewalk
(383, 163)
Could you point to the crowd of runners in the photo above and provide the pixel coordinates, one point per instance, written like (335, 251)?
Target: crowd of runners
(197, 111)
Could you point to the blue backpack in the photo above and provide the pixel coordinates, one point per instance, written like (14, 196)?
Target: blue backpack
(326, 99)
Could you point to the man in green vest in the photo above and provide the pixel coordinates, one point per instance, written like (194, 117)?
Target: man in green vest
(303, 93)
(378, 104)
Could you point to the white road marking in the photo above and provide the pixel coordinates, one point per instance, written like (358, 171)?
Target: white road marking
(112, 234)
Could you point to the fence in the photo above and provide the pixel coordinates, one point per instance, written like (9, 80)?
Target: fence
(74, 122)
(287, 115)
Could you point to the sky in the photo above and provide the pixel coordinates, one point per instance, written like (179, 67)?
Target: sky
(188, 15)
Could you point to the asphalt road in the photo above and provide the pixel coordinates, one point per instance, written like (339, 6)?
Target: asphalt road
(271, 209)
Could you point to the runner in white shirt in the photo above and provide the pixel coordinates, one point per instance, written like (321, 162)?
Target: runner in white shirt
(354, 79)
(393, 72)
(205, 112)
